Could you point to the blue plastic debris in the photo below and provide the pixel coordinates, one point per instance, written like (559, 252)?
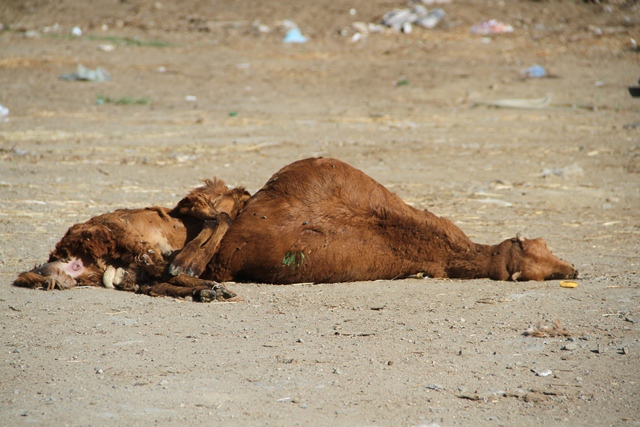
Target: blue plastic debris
(534, 72)
(294, 36)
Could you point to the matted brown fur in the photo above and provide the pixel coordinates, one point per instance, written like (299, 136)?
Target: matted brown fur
(131, 249)
(321, 220)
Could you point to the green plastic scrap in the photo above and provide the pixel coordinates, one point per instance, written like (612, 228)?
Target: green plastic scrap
(293, 260)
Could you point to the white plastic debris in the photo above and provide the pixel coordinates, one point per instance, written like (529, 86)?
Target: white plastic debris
(85, 74)
(533, 72)
(402, 20)
(491, 26)
(260, 27)
(76, 31)
(543, 372)
(4, 112)
(431, 19)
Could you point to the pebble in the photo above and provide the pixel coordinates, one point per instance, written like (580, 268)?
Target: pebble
(435, 387)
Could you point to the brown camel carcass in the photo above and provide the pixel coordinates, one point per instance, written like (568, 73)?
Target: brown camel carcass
(145, 250)
(321, 220)
(316, 220)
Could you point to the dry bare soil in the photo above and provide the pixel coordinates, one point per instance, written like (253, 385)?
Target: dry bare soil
(198, 91)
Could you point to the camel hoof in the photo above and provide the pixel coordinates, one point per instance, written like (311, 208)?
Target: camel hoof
(175, 270)
(217, 293)
(108, 277)
(205, 295)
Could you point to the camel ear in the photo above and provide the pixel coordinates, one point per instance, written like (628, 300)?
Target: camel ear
(515, 275)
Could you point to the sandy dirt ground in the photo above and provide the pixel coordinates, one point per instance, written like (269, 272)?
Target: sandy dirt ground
(199, 89)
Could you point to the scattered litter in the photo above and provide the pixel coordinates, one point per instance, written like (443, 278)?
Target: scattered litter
(402, 20)
(367, 28)
(431, 19)
(542, 372)
(85, 74)
(54, 28)
(545, 330)
(491, 26)
(4, 112)
(517, 103)
(294, 35)
(191, 98)
(398, 19)
(533, 72)
(568, 171)
(106, 47)
(568, 284)
(261, 28)
(76, 31)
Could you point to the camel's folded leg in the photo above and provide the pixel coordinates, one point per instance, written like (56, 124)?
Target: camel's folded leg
(186, 286)
(193, 258)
